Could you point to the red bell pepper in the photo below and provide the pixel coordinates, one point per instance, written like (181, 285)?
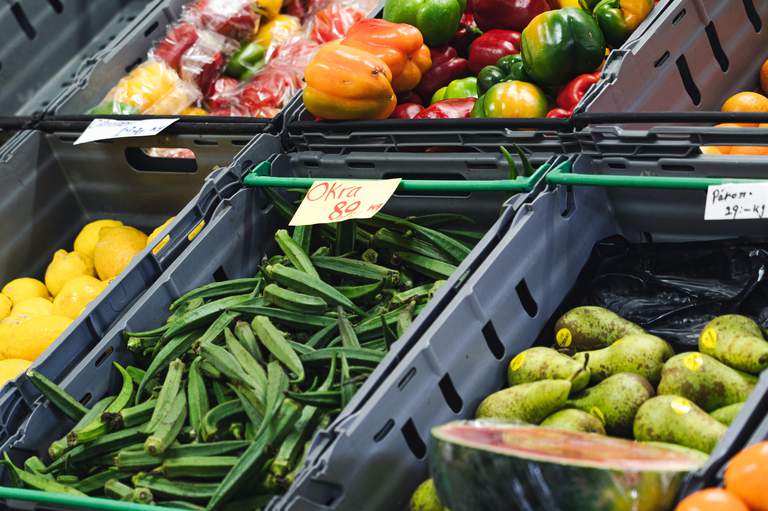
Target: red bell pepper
(491, 46)
(175, 43)
(574, 90)
(406, 111)
(466, 33)
(508, 14)
(559, 113)
(446, 67)
(448, 109)
(231, 18)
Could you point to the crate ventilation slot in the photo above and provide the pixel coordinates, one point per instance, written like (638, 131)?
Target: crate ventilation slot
(688, 83)
(450, 394)
(413, 440)
(717, 48)
(103, 356)
(56, 6)
(493, 341)
(526, 298)
(754, 18)
(23, 21)
(220, 275)
(151, 29)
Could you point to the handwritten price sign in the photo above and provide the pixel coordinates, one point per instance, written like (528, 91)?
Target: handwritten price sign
(335, 201)
(743, 201)
(104, 129)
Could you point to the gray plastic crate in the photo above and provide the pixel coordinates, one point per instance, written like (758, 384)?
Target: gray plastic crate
(695, 55)
(375, 456)
(240, 231)
(58, 188)
(47, 43)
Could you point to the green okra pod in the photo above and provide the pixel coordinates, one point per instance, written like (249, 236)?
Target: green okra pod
(58, 397)
(274, 340)
(295, 253)
(168, 428)
(168, 394)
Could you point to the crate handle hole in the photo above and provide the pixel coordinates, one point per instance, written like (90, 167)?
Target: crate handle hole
(717, 48)
(526, 299)
(161, 159)
(492, 341)
(85, 399)
(450, 394)
(103, 356)
(56, 6)
(220, 275)
(23, 21)
(413, 439)
(384, 431)
(753, 16)
(688, 82)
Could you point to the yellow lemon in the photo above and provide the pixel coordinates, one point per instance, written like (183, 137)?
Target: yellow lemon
(115, 249)
(66, 266)
(33, 307)
(27, 339)
(19, 290)
(157, 231)
(12, 367)
(5, 306)
(76, 294)
(86, 241)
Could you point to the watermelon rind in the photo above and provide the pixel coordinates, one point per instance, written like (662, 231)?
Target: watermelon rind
(500, 466)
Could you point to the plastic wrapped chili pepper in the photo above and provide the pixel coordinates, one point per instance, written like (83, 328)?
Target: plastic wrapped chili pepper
(333, 22)
(232, 18)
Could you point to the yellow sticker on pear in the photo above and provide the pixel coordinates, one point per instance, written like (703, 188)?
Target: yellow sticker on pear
(709, 338)
(564, 337)
(517, 362)
(597, 412)
(693, 361)
(680, 405)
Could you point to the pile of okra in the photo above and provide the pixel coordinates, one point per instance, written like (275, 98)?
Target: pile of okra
(223, 400)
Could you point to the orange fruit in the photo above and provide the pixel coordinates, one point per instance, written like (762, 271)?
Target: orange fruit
(764, 76)
(712, 499)
(746, 102)
(712, 150)
(750, 150)
(747, 474)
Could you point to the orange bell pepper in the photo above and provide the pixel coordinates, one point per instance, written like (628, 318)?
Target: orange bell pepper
(346, 83)
(399, 45)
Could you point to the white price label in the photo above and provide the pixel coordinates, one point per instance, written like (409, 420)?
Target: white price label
(737, 201)
(105, 129)
(335, 201)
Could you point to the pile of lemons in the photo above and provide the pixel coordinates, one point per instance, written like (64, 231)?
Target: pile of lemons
(33, 314)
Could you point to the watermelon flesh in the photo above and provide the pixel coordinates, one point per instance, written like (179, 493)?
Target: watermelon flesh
(501, 466)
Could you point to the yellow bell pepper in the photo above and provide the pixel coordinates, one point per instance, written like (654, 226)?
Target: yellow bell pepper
(280, 29)
(154, 88)
(268, 8)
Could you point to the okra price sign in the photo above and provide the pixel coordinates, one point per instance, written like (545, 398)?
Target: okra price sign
(335, 201)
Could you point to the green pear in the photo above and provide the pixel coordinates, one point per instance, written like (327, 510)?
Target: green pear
(615, 401)
(425, 498)
(726, 414)
(538, 363)
(677, 420)
(527, 402)
(574, 420)
(642, 354)
(736, 341)
(589, 328)
(705, 381)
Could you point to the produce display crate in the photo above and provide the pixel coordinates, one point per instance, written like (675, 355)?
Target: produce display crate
(303, 133)
(695, 55)
(239, 232)
(59, 187)
(377, 453)
(47, 44)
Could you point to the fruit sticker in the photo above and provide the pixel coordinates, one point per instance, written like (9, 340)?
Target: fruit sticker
(680, 406)
(693, 361)
(517, 362)
(709, 338)
(597, 412)
(564, 337)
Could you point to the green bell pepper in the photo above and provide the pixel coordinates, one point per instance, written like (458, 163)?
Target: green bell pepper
(246, 62)
(559, 45)
(461, 88)
(512, 99)
(509, 67)
(437, 20)
(619, 18)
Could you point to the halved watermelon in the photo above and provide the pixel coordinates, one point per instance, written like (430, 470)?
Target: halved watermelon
(501, 466)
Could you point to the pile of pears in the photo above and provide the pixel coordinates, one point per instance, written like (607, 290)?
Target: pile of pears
(609, 376)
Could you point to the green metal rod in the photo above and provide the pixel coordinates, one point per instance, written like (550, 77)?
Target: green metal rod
(502, 185)
(60, 499)
(562, 176)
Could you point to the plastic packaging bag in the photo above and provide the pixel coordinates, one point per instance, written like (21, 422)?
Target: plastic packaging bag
(198, 55)
(151, 88)
(333, 22)
(231, 18)
(674, 289)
